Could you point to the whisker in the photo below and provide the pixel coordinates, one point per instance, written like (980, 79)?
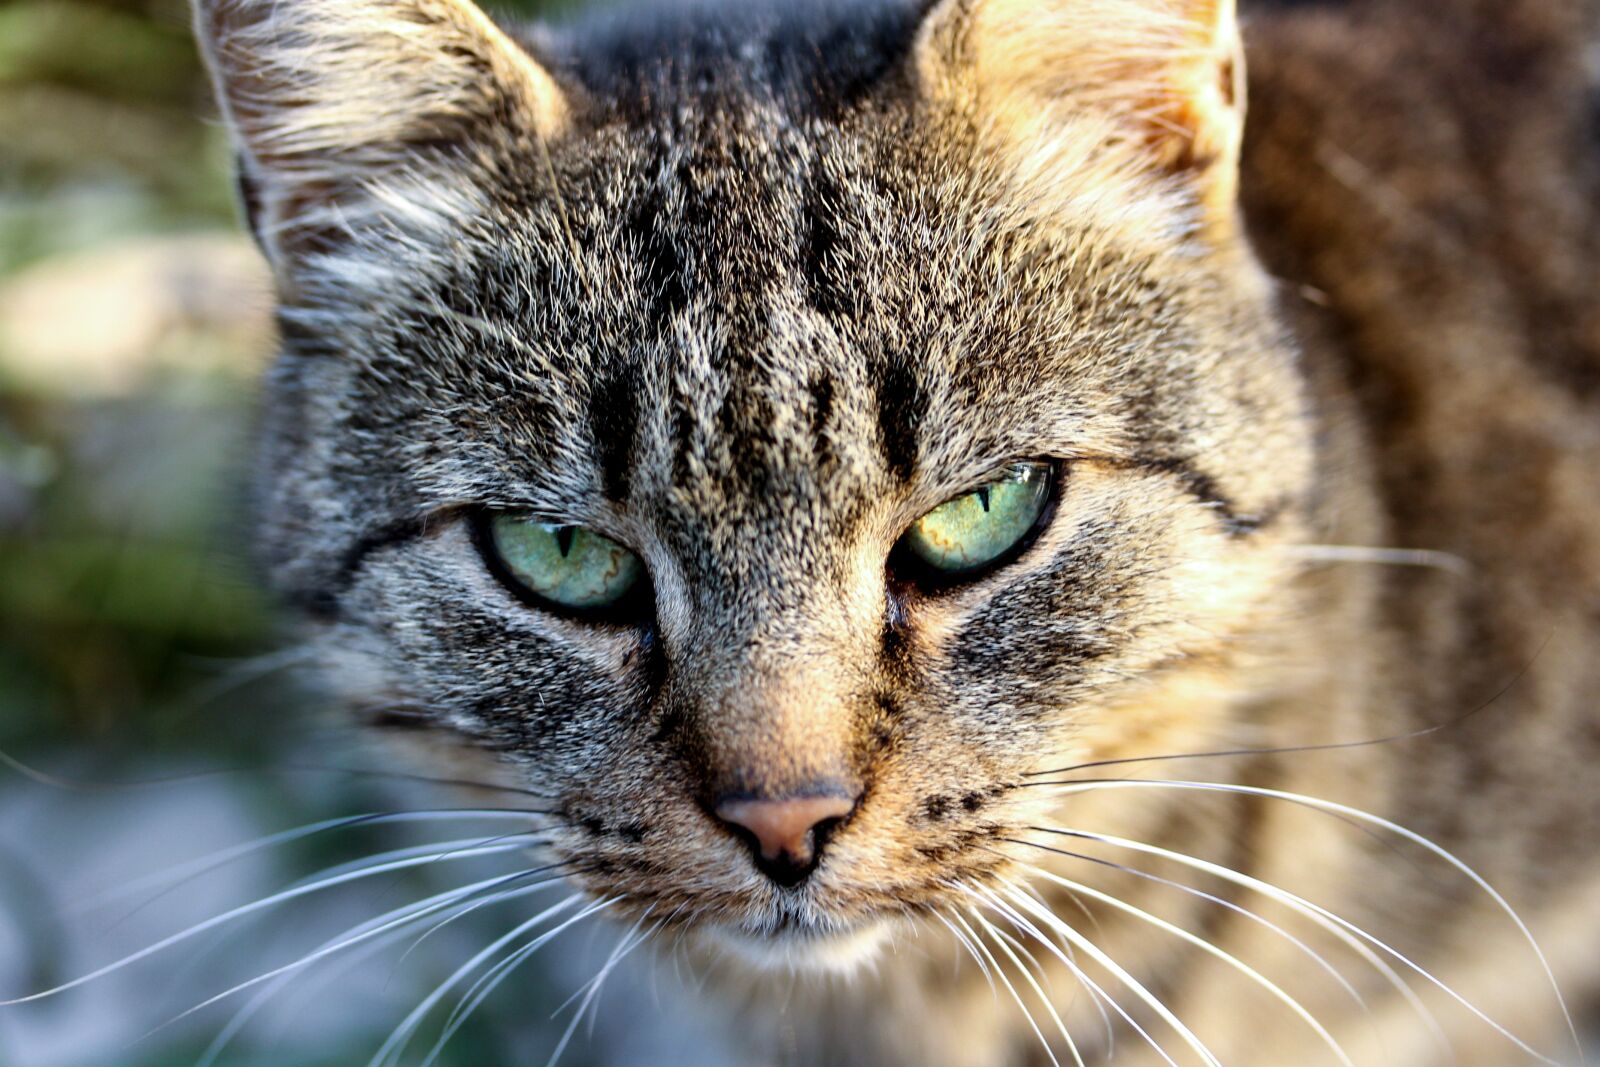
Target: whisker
(1357, 946)
(1061, 1027)
(394, 1046)
(403, 776)
(1330, 921)
(414, 911)
(248, 909)
(438, 852)
(1134, 986)
(465, 911)
(1201, 943)
(433, 852)
(971, 951)
(1051, 920)
(1067, 957)
(491, 979)
(1332, 971)
(394, 936)
(1336, 746)
(1389, 557)
(241, 673)
(585, 987)
(1034, 966)
(261, 999)
(594, 1014)
(1015, 996)
(76, 785)
(591, 989)
(203, 865)
(1318, 804)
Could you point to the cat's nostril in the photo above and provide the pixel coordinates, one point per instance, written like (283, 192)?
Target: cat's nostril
(786, 835)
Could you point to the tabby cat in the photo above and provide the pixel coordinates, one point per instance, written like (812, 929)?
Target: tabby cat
(995, 558)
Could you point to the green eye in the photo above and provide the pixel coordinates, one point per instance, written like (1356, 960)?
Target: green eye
(979, 529)
(569, 566)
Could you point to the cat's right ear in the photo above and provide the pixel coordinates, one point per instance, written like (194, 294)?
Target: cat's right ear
(344, 111)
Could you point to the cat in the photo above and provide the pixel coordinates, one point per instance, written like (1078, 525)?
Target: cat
(999, 559)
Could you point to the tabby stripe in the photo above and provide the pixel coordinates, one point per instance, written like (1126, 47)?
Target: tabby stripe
(614, 420)
(902, 409)
(1205, 489)
(322, 602)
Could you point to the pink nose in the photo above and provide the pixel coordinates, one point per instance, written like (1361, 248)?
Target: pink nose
(786, 832)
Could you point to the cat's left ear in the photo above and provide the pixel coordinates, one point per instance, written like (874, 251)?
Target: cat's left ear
(340, 107)
(1150, 89)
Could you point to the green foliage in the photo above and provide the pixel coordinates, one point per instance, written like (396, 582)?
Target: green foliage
(121, 585)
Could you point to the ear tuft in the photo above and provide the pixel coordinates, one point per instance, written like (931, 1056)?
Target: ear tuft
(1159, 83)
(325, 97)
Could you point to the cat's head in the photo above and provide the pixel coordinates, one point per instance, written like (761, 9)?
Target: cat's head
(773, 433)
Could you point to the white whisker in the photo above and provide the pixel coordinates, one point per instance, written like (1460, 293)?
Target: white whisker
(1015, 996)
(1050, 919)
(1049, 1005)
(1332, 971)
(591, 989)
(971, 951)
(412, 913)
(437, 850)
(1201, 943)
(463, 912)
(1391, 557)
(395, 1044)
(490, 980)
(1017, 945)
(1347, 931)
(433, 852)
(1094, 952)
(1063, 952)
(1101, 996)
(184, 872)
(248, 909)
(244, 1015)
(1318, 804)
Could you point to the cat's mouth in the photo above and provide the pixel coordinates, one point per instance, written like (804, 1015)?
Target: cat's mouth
(792, 944)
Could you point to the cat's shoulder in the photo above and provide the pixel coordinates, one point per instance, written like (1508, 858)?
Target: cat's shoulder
(1431, 171)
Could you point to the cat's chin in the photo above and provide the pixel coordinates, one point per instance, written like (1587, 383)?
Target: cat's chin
(841, 953)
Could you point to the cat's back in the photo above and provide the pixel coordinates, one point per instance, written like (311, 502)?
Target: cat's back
(1426, 180)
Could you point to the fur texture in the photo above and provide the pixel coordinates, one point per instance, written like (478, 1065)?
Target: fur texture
(751, 289)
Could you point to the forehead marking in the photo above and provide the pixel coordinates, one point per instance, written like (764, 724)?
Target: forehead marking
(614, 423)
(661, 262)
(821, 415)
(820, 254)
(902, 410)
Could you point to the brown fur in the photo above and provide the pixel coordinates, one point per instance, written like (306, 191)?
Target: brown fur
(753, 323)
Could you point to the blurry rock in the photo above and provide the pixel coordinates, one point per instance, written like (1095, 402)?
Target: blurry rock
(106, 321)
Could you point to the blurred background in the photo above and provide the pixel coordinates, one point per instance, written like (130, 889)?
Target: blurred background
(134, 647)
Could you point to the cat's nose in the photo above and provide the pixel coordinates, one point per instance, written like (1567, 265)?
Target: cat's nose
(786, 835)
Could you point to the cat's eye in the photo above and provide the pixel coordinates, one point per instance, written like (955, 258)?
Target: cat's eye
(982, 529)
(567, 567)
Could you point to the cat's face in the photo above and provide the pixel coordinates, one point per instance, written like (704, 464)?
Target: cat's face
(749, 316)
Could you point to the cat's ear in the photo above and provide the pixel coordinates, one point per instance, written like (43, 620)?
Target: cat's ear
(1156, 85)
(333, 102)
